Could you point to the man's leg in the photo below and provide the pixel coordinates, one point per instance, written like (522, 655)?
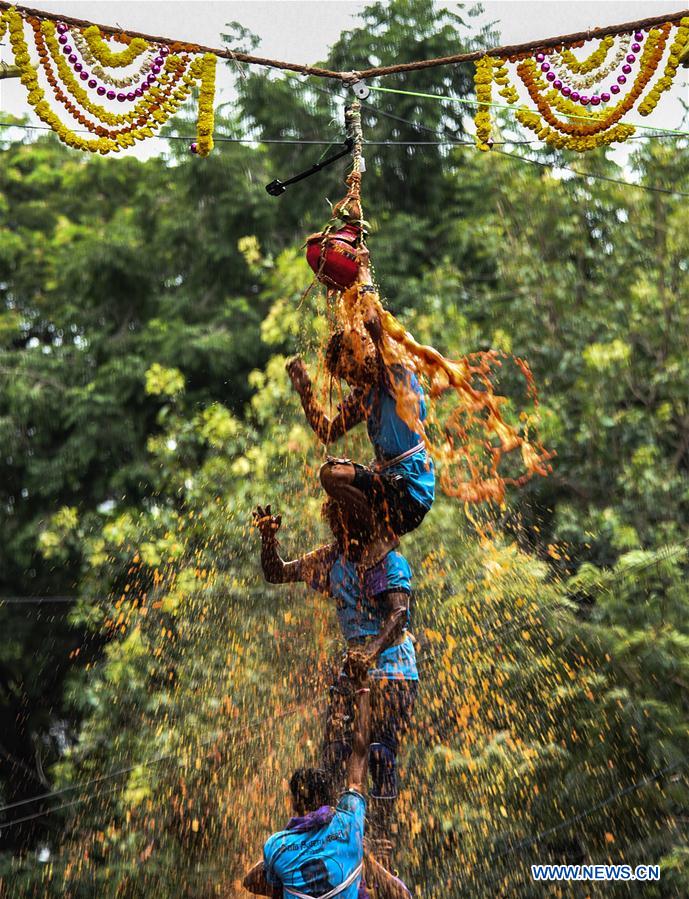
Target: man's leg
(338, 478)
(358, 489)
(392, 703)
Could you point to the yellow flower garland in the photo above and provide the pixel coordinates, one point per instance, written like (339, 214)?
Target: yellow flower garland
(206, 116)
(594, 61)
(483, 81)
(595, 125)
(201, 69)
(74, 87)
(593, 131)
(580, 143)
(500, 76)
(678, 46)
(106, 57)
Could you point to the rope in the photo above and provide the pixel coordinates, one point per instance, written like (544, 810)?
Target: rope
(276, 140)
(526, 48)
(598, 177)
(375, 72)
(35, 600)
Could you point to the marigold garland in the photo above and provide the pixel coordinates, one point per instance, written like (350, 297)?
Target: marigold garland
(591, 76)
(677, 48)
(174, 66)
(501, 77)
(483, 80)
(115, 131)
(107, 57)
(206, 116)
(594, 61)
(585, 126)
(653, 51)
(100, 73)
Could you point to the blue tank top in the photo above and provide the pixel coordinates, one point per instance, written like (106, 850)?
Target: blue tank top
(360, 616)
(391, 436)
(317, 861)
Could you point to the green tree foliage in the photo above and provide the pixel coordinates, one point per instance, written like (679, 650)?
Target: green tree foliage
(147, 310)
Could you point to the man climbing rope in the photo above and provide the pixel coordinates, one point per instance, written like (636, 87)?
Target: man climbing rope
(397, 490)
(373, 614)
(321, 851)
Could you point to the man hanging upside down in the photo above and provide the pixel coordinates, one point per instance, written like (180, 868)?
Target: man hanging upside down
(373, 614)
(398, 489)
(321, 851)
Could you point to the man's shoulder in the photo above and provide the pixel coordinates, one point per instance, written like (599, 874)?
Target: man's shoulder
(351, 801)
(276, 841)
(397, 565)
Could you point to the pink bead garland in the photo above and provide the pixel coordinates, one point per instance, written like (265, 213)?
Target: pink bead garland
(149, 75)
(566, 90)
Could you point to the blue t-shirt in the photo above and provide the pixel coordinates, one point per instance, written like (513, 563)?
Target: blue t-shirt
(319, 860)
(391, 437)
(360, 615)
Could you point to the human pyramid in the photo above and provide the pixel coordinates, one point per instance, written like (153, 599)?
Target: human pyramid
(322, 851)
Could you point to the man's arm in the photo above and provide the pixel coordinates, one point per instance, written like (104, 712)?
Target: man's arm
(386, 885)
(311, 568)
(326, 429)
(255, 882)
(396, 602)
(358, 760)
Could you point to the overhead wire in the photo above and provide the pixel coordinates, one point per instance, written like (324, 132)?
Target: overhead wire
(556, 165)
(447, 141)
(579, 816)
(511, 108)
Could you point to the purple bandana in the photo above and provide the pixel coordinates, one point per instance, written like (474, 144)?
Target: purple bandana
(312, 820)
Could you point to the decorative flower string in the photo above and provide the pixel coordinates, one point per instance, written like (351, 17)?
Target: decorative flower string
(592, 62)
(151, 100)
(101, 74)
(653, 51)
(106, 57)
(164, 81)
(590, 76)
(483, 81)
(678, 49)
(565, 116)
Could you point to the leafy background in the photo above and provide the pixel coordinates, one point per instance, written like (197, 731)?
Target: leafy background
(147, 310)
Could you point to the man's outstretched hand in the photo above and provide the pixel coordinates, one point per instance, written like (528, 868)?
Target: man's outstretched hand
(298, 374)
(267, 524)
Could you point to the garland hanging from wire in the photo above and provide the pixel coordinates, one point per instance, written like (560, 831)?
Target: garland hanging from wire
(580, 100)
(83, 70)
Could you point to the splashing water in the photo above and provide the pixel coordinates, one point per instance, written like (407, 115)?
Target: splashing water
(467, 430)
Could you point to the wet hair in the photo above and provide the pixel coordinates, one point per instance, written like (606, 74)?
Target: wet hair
(311, 788)
(374, 364)
(333, 350)
(345, 526)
